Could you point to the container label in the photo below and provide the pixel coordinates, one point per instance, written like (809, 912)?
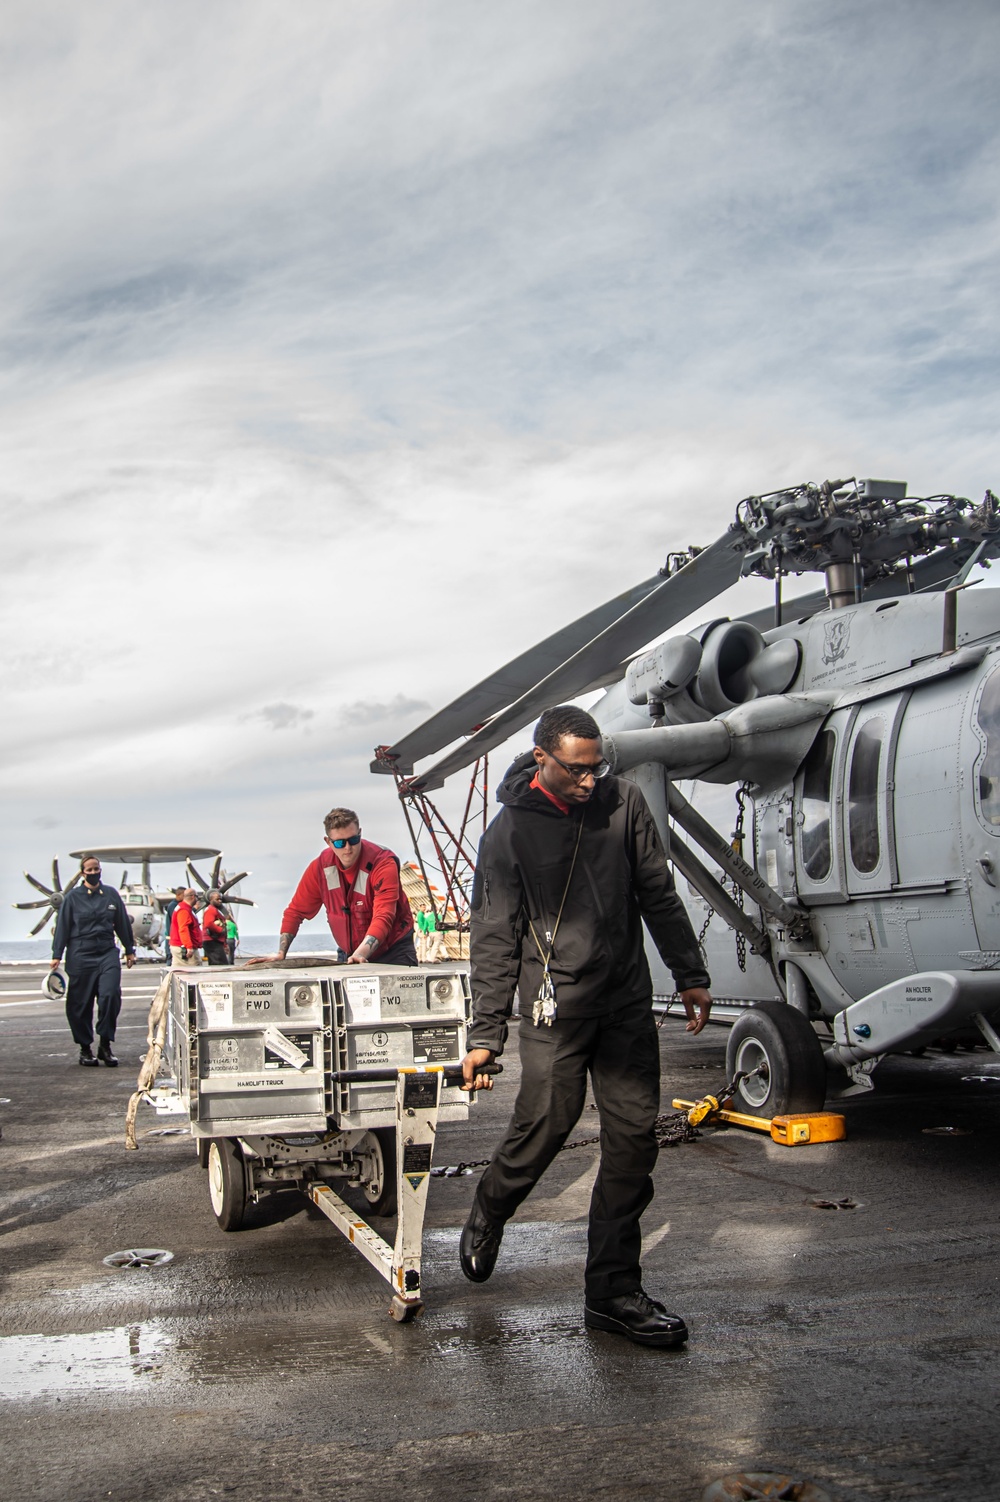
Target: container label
(434, 1045)
(216, 1002)
(287, 1050)
(362, 998)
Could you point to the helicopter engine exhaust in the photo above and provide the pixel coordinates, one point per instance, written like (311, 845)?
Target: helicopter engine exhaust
(763, 742)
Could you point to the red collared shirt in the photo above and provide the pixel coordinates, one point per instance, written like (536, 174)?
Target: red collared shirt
(560, 805)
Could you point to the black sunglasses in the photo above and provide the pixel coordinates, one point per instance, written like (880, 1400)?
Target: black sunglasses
(351, 839)
(579, 772)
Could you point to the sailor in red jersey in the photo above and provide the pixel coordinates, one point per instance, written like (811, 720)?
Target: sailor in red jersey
(358, 885)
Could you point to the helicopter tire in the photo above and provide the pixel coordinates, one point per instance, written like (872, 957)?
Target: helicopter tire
(779, 1040)
(227, 1182)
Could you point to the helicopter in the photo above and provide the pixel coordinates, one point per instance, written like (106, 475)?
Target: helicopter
(849, 738)
(144, 904)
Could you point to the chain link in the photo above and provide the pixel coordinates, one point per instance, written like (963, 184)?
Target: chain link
(738, 895)
(672, 1128)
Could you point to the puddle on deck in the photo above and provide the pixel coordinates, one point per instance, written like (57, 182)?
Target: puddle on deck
(115, 1360)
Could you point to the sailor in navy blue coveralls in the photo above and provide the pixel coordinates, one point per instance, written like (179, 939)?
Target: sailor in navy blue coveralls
(91, 917)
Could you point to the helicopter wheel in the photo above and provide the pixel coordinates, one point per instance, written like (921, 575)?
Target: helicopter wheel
(777, 1041)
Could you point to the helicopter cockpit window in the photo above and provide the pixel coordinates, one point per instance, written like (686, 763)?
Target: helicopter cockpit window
(862, 814)
(817, 775)
(989, 767)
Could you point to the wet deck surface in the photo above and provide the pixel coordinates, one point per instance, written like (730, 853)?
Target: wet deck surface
(857, 1347)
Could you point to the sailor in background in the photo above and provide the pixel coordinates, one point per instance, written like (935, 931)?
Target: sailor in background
(91, 917)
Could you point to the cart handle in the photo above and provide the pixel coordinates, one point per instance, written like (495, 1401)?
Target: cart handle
(378, 1076)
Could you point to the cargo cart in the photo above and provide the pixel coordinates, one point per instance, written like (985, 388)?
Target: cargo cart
(299, 1077)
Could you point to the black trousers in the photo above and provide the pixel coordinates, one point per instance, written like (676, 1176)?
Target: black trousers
(215, 952)
(620, 1050)
(93, 978)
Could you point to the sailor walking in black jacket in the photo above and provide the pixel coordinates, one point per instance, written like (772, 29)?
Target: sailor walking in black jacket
(91, 916)
(566, 874)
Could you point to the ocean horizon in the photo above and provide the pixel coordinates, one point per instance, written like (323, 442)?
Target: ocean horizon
(30, 951)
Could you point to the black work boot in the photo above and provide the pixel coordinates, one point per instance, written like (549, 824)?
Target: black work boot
(105, 1055)
(637, 1316)
(86, 1057)
(480, 1245)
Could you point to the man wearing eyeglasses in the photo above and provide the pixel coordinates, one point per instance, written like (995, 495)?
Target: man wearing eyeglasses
(567, 873)
(357, 882)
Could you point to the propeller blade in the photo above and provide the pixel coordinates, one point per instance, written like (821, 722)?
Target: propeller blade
(44, 902)
(196, 876)
(41, 887)
(241, 901)
(39, 926)
(466, 713)
(232, 881)
(124, 882)
(56, 883)
(216, 868)
(707, 575)
(72, 882)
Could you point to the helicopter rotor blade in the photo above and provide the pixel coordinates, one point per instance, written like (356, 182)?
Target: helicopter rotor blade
(39, 926)
(677, 595)
(39, 885)
(471, 709)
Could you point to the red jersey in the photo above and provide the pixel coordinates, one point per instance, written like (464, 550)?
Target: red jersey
(185, 930)
(214, 926)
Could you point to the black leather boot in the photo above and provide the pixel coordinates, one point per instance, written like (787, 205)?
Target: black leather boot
(105, 1055)
(86, 1056)
(638, 1317)
(480, 1245)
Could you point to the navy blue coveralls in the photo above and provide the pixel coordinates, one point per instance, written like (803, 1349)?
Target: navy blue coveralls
(86, 928)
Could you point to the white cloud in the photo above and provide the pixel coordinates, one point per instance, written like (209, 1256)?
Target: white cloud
(348, 350)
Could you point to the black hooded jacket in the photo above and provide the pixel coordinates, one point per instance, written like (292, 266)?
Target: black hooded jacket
(621, 877)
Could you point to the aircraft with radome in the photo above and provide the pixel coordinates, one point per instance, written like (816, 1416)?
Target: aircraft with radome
(144, 903)
(826, 775)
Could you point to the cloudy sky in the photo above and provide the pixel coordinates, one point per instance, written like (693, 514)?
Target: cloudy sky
(348, 348)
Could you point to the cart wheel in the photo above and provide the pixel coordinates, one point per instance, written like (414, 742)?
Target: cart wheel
(227, 1183)
(777, 1040)
(379, 1147)
(403, 1313)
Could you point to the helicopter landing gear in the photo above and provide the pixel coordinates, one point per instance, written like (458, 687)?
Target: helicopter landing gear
(777, 1048)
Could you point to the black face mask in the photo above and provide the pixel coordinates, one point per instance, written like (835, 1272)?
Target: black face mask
(92, 878)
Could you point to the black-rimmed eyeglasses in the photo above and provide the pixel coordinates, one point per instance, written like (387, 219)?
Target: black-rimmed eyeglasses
(578, 771)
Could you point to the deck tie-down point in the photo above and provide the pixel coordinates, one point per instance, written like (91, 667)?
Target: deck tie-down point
(145, 1257)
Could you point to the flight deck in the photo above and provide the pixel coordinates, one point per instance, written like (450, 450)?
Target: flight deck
(841, 1300)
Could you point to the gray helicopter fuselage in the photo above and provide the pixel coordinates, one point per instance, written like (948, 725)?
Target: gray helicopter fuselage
(887, 831)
